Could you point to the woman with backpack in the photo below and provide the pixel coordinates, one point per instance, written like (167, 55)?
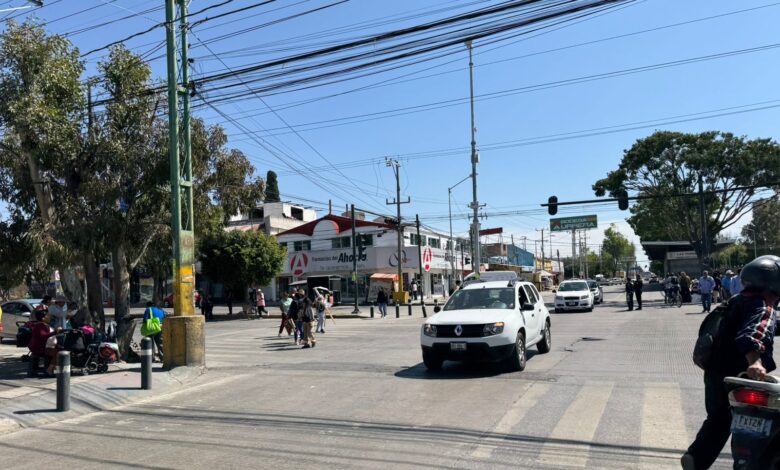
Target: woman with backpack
(320, 305)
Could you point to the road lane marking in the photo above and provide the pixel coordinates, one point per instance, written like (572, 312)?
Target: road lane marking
(663, 426)
(579, 423)
(528, 398)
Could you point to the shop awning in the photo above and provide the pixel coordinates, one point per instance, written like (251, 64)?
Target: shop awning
(384, 277)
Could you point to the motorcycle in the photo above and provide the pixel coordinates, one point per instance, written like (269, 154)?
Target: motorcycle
(755, 423)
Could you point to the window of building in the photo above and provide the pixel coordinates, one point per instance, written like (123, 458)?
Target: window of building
(296, 213)
(304, 245)
(341, 242)
(415, 240)
(434, 242)
(257, 213)
(283, 245)
(368, 239)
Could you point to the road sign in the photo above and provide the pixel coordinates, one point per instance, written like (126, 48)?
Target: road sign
(427, 258)
(564, 224)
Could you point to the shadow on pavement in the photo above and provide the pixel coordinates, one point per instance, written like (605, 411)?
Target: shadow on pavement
(32, 412)
(457, 370)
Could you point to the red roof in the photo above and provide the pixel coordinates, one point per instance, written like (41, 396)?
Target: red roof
(342, 223)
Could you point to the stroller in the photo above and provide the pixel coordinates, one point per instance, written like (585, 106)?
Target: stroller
(90, 351)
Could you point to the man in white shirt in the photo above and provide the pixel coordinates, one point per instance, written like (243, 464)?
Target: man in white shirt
(59, 312)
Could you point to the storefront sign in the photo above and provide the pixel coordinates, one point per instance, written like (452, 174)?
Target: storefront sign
(427, 259)
(681, 255)
(375, 259)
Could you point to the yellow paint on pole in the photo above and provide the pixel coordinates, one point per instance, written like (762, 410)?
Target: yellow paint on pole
(183, 297)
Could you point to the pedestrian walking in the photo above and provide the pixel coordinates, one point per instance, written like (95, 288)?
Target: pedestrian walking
(320, 305)
(229, 300)
(685, 287)
(207, 307)
(152, 327)
(414, 290)
(629, 294)
(381, 300)
(638, 286)
(745, 343)
(455, 287)
(284, 306)
(726, 284)
(294, 313)
(307, 318)
(706, 286)
(736, 283)
(716, 290)
(261, 303)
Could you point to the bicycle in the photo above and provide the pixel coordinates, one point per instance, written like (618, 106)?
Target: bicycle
(674, 299)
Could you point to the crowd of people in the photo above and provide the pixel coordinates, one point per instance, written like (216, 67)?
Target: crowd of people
(299, 313)
(711, 288)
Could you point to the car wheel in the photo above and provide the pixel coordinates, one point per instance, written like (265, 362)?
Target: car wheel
(432, 361)
(589, 309)
(545, 343)
(557, 310)
(516, 361)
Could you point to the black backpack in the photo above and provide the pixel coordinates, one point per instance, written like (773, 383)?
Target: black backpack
(714, 333)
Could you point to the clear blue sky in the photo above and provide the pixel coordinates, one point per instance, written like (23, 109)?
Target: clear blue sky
(517, 177)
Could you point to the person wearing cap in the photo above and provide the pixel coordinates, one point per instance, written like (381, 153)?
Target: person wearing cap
(59, 313)
(725, 284)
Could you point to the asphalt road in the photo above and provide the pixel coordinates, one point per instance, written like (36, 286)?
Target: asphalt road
(617, 391)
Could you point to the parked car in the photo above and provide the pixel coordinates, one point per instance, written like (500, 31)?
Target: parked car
(574, 295)
(16, 311)
(598, 292)
(493, 321)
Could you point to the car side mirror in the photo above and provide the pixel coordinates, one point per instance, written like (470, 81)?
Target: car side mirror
(436, 309)
(528, 306)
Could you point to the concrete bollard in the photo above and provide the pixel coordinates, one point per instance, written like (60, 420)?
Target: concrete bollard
(63, 380)
(397, 310)
(425, 314)
(372, 311)
(410, 309)
(146, 363)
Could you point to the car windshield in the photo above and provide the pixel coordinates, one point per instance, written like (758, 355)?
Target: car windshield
(489, 297)
(593, 284)
(572, 286)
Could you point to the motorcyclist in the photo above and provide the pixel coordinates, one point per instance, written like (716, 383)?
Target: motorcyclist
(748, 335)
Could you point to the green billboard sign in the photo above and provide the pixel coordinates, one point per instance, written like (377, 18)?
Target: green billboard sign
(564, 224)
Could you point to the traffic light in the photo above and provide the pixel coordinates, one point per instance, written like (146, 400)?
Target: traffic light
(361, 246)
(622, 197)
(391, 221)
(552, 205)
(467, 260)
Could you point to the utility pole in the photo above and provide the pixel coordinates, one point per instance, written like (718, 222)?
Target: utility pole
(585, 252)
(419, 259)
(702, 219)
(392, 162)
(542, 230)
(477, 261)
(573, 252)
(183, 333)
(356, 310)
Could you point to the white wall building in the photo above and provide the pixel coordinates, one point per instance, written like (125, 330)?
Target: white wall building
(323, 249)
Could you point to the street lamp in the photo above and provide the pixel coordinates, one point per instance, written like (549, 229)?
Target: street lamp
(449, 202)
(755, 249)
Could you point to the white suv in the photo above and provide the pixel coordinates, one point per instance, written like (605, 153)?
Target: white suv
(487, 321)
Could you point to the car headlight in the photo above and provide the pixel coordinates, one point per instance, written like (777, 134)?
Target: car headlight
(493, 329)
(429, 330)
(584, 297)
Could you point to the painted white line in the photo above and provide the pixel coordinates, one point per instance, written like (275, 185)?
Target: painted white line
(529, 396)
(663, 425)
(579, 423)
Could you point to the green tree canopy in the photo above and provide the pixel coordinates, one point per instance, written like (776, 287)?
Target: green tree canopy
(238, 258)
(272, 187)
(762, 232)
(666, 164)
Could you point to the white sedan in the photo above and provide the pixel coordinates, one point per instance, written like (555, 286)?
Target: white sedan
(574, 295)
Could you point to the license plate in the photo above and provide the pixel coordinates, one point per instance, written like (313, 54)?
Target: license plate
(751, 425)
(457, 346)
(571, 304)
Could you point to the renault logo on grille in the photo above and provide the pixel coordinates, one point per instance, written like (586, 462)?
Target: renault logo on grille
(458, 330)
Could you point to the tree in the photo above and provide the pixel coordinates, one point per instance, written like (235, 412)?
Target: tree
(762, 232)
(734, 255)
(617, 248)
(237, 259)
(272, 187)
(670, 163)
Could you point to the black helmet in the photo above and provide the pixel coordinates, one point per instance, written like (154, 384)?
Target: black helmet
(763, 273)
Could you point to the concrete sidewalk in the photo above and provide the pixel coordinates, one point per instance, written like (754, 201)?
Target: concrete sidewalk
(31, 402)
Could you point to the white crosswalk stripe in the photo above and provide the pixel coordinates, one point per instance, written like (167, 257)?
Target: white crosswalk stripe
(663, 425)
(578, 424)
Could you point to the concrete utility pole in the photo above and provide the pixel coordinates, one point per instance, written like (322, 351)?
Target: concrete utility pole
(477, 260)
(419, 260)
(356, 310)
(573, 252)
(183, 332)
(705, 247)
(542, 230)
(392, 162)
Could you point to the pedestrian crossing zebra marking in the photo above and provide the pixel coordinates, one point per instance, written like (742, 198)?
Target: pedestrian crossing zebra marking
(529, 397)
(663, 425)
(579, 423)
